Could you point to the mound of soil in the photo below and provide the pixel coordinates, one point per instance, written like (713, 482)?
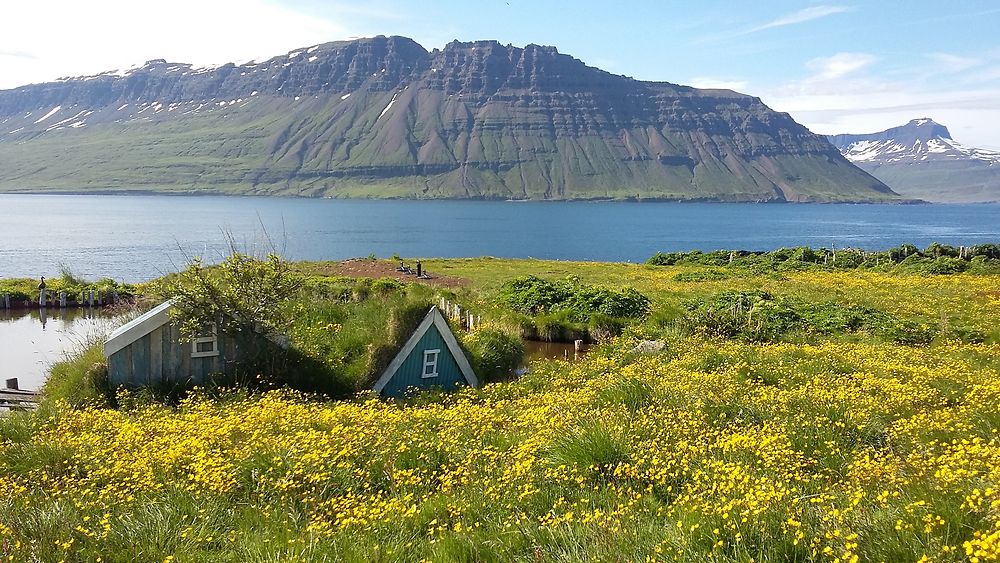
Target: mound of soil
(365, 268)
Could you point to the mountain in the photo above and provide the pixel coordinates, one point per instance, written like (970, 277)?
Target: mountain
(384, 117)
(921, 160)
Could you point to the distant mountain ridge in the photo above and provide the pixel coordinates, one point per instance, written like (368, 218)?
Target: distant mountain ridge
(921, 160)
(384, 117)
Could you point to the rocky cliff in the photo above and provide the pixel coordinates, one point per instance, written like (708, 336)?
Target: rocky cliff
(383, 117)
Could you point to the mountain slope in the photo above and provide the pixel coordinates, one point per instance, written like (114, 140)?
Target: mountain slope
(921, 160)
(383, 117)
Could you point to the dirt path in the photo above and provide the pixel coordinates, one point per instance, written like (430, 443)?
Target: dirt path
(364, 268)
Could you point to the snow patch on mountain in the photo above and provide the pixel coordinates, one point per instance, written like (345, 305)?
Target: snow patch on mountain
(48, 115)
(920, 140)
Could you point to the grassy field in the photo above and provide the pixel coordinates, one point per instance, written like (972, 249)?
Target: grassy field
(802, 415)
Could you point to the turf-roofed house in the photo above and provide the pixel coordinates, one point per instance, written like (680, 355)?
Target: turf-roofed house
(149, 350)
(431, 357)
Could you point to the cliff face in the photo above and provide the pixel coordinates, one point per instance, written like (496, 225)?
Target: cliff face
(383, 117)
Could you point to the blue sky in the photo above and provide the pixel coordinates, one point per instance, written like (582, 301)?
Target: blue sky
(835, 66)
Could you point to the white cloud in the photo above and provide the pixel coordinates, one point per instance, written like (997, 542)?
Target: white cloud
(717, 83)
(953, 63)
(91, 37)
(847, 93)
(866, 104)
(801, 16)
(839, 65)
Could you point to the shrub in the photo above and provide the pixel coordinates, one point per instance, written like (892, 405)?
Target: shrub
(758, 316)
(243, 296)
(495, 353)
(749, 315)
(385, 286)
(533, 296)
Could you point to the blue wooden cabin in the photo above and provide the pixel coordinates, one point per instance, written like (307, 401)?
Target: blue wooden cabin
(430, 358)
(148, 351)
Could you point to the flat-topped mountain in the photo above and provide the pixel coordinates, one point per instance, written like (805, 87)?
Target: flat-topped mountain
(921, 160)
(384, 117)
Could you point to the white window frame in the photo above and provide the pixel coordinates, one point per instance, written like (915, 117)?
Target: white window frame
(212, 339)
(430, 361)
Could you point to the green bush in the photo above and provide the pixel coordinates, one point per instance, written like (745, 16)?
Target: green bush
(935, 259)
(535, 296)
(495, 353)
(758, 316)
(385, 286)
(748, 315)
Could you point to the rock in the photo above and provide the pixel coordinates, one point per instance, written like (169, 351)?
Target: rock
(649, 347)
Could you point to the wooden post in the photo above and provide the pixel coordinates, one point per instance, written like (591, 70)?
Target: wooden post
(442, 304)
(41, 297)
(458, 312)
(90, 301)
(12, 384)
(731, 253)
(6, 301)
(62, 299)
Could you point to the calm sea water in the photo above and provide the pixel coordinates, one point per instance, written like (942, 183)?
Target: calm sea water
(135, 238)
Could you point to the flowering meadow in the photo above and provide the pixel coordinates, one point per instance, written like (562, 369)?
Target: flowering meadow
(815, 448)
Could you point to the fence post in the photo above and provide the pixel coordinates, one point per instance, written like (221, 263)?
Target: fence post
(62, 299)
(6, 301)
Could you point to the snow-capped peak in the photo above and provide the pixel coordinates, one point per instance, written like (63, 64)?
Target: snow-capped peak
(920, 140)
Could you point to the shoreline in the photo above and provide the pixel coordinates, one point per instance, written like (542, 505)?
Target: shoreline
(206, 193)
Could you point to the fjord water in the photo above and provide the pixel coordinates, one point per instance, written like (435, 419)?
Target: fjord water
(139, 237)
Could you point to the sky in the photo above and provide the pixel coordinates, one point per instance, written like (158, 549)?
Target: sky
(836, 67)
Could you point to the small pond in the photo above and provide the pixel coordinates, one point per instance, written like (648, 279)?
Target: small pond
(31, 340)
(537, 350)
